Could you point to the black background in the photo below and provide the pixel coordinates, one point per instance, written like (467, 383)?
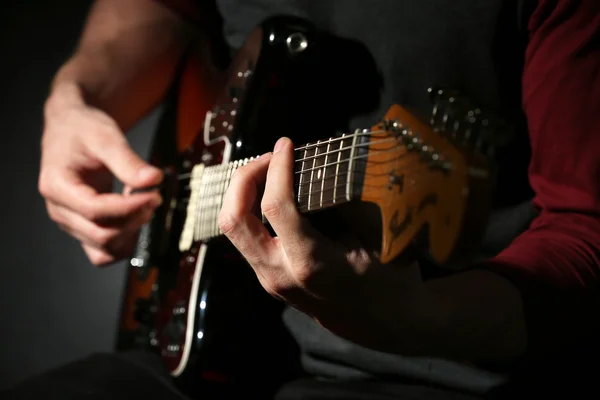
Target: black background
(54, 306)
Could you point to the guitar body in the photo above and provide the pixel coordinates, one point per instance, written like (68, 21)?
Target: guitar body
(202, 310)
(190, 296)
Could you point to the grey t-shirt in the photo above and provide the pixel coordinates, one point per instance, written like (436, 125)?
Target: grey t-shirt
(415, 43)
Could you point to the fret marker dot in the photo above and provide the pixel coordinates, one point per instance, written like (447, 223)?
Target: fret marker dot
(319, 174)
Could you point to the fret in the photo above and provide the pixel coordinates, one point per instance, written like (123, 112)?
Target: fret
(324, 178)
(189, 231)
(337, 168)
(230, 169)
(221, 187)
(226, 180)
(351, 163)
(208, 202)
(202, 200)
(330, 172)
(312, 176)
(304, 181)
(342, 171)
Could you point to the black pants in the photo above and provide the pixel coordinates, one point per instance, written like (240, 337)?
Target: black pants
(142, 376)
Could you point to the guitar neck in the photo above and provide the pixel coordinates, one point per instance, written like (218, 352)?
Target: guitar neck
(327, 173)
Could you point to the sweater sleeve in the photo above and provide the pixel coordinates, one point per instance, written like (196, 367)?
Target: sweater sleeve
(556, 262)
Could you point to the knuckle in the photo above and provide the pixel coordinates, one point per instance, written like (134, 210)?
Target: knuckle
(240, 172)
(303, 272)
(103, 237)
(105, 139)
(228, 223)
(45, 186)
(271, 207)
(92, 213)
(53, 213)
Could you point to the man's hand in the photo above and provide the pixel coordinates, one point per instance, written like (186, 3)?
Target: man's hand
(82, 150)
(341, 285)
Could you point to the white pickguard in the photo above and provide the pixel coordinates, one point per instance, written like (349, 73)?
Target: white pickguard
(191, 309)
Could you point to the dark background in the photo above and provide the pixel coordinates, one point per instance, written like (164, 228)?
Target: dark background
(54, 306)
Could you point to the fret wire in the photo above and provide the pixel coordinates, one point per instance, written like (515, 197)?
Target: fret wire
(197, 232)
(209, 200)
(308, 145)
(337, 170)
(324, 174)
(366, 144)
(312, 171)
(229, 174)
(423, 167)
(343, 137)
(309, 169)
(353, 159)
(220, 194)
(351, 163)
(207, 226)
(329, 153)
(201, 199)
(301, 179)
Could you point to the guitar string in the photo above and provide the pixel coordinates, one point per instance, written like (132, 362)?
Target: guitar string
(328, 153)
(340, 149)
(311, 145)
(210, 212)
(205, 224)
(297, 185)
(333, 177)
(338, 174)
(412, 183)
(210, 221)
(224, 166)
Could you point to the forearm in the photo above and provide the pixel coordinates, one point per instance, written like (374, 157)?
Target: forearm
(475, 316)
(125, 59)
(481, 318)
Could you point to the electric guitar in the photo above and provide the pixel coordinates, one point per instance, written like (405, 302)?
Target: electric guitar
(190, 296)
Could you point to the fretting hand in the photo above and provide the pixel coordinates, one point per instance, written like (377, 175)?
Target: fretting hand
(339, 284)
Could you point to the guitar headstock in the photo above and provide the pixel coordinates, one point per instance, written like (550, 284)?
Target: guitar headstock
(430, 187)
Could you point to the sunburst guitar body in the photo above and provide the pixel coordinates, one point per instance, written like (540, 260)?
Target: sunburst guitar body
(190, 297)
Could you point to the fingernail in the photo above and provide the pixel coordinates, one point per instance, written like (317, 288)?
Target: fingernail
(280, 144)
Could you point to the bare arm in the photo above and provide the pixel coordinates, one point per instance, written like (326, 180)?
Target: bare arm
(125, 59)
(121, 68)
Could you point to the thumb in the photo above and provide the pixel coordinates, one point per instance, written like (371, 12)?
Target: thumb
(116, 154)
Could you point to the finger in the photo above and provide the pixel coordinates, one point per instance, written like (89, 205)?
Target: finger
(109, 209)
(98, 257)
(278, 203)
(236, 218)
(112, 149)
(111, 240)
(101, 258)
